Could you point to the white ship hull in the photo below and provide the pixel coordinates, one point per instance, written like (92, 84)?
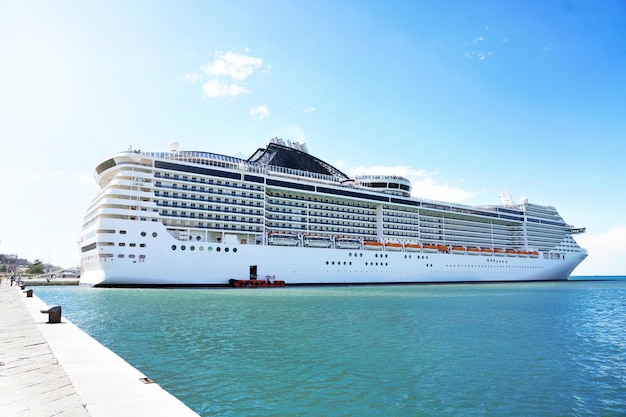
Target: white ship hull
(163, 266)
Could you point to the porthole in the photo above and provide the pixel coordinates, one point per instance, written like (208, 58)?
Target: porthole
(183, 247)
(192, 248)
(326, 262)
(234, 249)
(173, 247)
(225, 249)
(143, 234)
(209, 248)
(218, 249)
(154, 234)
(201, 248)
(198, 238)
(333, 262)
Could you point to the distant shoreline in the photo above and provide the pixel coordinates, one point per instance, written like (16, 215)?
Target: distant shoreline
(34, 282)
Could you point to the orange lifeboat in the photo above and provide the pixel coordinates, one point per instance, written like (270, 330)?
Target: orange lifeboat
(372, 245)
(498, 252)
(412, 247)
(533, 254)
(473, 250)
(486, 251)
(429, 248)
(442, 248)
(394, 246)
(458, 249)
(511, 252)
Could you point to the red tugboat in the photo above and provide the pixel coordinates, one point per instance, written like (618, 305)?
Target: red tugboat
(268, 282)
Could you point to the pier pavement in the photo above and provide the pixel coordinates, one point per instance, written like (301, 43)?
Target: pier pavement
(55, 369)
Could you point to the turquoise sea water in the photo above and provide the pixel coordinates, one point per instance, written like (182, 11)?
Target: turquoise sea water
(527, 349)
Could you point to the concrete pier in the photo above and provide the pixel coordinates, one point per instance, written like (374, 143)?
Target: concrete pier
(55, 369)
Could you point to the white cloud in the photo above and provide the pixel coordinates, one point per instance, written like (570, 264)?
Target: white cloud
(232, 65)
(309, 109)
(192, 78)
(479, 55)
(424, 184)
(260, 112)
(226, 72)
(607, 253)
(217, 88)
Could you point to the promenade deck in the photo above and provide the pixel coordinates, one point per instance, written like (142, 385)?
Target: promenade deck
(51, 369)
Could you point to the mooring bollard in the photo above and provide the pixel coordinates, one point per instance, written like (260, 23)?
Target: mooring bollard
(54, 313)
(29, 293)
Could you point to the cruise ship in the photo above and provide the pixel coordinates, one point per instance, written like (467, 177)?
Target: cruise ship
(186, 218)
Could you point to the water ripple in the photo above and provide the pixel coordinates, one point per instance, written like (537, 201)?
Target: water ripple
(549, 349)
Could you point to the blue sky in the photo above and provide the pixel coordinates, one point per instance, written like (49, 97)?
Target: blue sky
(464, 98)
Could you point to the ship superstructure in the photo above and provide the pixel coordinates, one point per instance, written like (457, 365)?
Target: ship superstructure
(200, 219)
